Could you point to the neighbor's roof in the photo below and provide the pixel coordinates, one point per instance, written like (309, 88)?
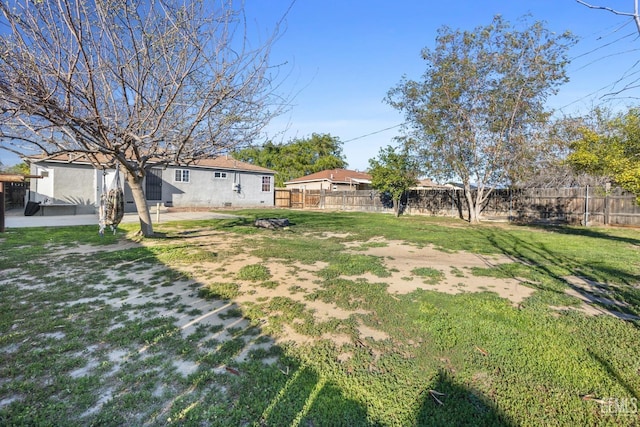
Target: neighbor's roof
(226, 162)
(220, 162)
(335, 176)
(428, 183)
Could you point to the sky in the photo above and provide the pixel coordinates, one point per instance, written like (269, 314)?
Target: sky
(345, 55)
(339, 58)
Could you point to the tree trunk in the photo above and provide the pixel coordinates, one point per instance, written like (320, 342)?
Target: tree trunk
(472, 203)
(396, 207)
(135, 183)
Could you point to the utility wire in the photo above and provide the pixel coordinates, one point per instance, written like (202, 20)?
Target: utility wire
(610, 89)
(373, 133)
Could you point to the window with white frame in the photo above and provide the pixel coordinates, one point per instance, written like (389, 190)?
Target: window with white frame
(220, 175)
(182, 175)
(266, 183)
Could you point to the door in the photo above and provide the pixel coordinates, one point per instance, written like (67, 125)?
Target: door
(153, 184)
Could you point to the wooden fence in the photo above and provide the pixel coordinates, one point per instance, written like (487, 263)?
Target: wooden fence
(584, 205)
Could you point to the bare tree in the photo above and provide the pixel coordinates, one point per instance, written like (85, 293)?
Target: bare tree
(141, 83)
(635, 15)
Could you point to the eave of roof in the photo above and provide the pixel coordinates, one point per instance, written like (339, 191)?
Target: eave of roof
(217, 163)
(334, 176)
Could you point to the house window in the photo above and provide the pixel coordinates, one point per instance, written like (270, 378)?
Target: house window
(266, 183)
(182, 175)
(220, 175)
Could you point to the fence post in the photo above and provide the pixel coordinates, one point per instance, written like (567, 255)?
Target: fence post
(607, 189)
(586, 207)
(2, 210)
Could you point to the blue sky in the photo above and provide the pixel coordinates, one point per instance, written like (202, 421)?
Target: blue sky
(343, 56)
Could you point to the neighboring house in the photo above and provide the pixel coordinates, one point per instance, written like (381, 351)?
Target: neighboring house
(429, 184)
(217, 182)
(332, 180)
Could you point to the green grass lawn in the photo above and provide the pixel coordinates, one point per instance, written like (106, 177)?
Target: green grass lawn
(151, 334)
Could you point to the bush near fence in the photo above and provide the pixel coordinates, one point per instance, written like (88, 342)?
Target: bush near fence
(576, 205)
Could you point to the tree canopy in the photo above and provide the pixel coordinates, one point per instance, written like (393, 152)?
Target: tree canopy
(20, 168)
(610, 146)
(476, 113)
(393, 173)
(298, 157)
(141, 83)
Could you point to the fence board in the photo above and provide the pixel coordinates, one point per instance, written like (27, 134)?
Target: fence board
(282, 198)
(563, 205)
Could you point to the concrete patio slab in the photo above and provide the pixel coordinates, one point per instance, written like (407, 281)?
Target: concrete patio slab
(20, 221)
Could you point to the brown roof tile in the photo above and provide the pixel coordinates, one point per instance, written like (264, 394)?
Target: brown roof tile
(333, 175)
(220, 162)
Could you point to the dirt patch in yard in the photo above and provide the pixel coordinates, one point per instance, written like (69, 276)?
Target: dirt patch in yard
(129, 319)
(296, 281)
(403, 260)
(289, 281)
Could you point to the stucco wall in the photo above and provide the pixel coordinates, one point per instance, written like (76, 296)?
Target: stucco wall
(65, 183)
(205, 190)
(323, 185)
(316, 185)
(81, 185)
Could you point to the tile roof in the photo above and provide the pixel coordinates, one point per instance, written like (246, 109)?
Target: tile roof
(220, 162)
(227, 162)
(335, 176)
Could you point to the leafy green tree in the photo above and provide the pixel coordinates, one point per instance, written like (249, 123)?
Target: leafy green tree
(20, 168)
(475, 114)
(393, 173)
(610, 146)
(296, 158)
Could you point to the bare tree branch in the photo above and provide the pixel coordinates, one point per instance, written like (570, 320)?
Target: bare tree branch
(634, 15)
(140, 82)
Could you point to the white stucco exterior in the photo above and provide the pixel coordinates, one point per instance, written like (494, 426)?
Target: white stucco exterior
(220, 182)
(216, 188)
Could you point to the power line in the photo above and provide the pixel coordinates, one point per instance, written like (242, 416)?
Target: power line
(606, 38)
(373, 133)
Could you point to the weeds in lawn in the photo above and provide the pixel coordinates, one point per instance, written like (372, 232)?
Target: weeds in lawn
(163, 333)
(220, 290)
(254, 273)
(431, 275)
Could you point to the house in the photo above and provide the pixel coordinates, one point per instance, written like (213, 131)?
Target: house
(427, 183)
(70, 180)
(332, 180)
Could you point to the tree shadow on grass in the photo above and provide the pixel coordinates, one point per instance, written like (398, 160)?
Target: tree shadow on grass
(558, 268)
(613, 372)
(447, 403)
(309, 399)
(584, 231)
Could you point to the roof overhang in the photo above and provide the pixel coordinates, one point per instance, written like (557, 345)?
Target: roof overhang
(10, 177)
(360, 180)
